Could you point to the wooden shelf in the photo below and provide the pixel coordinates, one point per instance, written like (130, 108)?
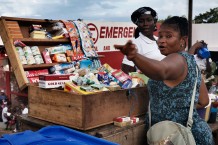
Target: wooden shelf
(29, 20)
(39, 66)
(31, 40)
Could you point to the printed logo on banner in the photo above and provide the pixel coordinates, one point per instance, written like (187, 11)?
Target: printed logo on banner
(106, 34)
(94, 30)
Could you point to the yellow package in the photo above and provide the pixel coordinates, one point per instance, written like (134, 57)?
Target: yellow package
(71, 87)
(108, 67)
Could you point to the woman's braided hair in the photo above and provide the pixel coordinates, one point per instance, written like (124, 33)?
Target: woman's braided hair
(180, 24)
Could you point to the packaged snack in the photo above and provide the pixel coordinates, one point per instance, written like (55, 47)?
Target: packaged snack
(27, 51)
(36, 73)
(30, 59)
(59, 58)
(36, 27)
(60, 72)
(61, 66)
(127, 84)
(20, 51)
(38, 34)
(140, 75)
(58, 49)
(103, 78)
(113, 87)
(38, 59)
(23, 59)
(85, 63)
(86, 88)
(74, 39)
(108, 68)
(71, 87)
(86, 39)
(98, 86)
(46, 57)
(19, 43)
(69, 52)
(121, 76)
(35, 50)
(70, 70)
(137, 82)
(69, 59)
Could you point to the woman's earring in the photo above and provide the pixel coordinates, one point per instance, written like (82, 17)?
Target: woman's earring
(155, 28)
(181, 45)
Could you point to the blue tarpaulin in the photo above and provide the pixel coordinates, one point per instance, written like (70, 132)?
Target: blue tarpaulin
(52, 135)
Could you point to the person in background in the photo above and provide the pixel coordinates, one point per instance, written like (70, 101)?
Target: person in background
(203, 63)
(24, 110)
(2, 95)
(172, 79)
(6, 113)
(145, 18)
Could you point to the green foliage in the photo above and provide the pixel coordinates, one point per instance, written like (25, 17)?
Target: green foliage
(169, 16)
(208, 17)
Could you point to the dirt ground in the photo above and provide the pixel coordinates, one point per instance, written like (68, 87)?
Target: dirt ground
(2, 129)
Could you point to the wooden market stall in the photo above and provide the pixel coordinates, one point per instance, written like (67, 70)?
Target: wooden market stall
(82, 112)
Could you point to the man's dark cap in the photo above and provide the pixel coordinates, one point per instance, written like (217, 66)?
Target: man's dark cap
(143, 10)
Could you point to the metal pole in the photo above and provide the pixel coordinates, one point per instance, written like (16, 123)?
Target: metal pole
(190, 7)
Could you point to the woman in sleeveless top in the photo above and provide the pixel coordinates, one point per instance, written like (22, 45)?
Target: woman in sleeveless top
(172, 79)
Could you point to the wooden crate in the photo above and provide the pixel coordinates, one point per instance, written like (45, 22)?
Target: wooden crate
(85, 111)
(134, 134)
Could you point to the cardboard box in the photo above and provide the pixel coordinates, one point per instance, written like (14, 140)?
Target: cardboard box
(53, 80)
(84, 112)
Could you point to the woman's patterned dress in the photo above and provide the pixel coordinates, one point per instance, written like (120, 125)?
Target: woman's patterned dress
(173, 103)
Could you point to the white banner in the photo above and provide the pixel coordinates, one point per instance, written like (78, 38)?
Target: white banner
(106, 34)
(206, 32)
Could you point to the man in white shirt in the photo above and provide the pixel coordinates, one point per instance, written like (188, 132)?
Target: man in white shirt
(145, 18)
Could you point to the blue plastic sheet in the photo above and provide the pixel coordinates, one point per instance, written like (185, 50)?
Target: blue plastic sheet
(52, 135)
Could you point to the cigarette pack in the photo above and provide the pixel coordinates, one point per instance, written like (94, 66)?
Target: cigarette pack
(122, 119)
(134, 120)
(53, 81)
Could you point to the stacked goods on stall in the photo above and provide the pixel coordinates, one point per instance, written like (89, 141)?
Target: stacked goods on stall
(42, 44)
(70, 63)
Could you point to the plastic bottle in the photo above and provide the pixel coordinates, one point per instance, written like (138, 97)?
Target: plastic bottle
(203, 52)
